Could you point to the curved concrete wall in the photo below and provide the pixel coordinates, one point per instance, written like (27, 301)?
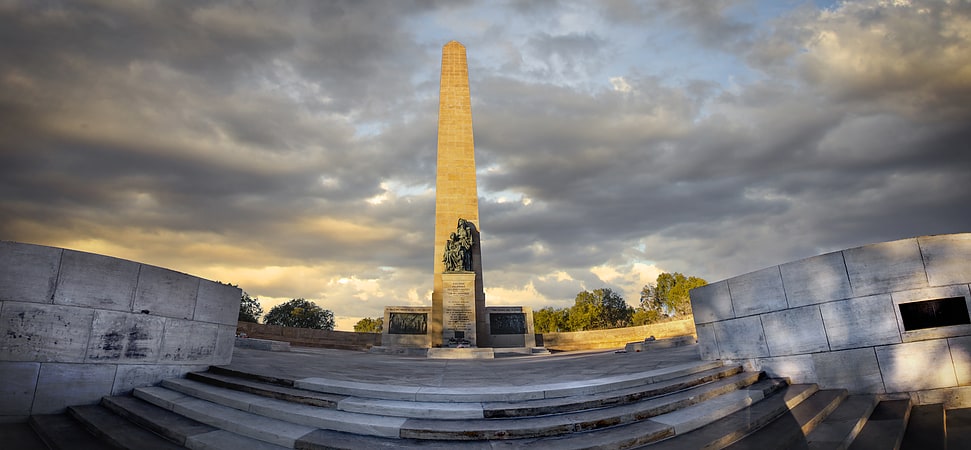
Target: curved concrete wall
(306, 337)
(835, 320)
(77, 326)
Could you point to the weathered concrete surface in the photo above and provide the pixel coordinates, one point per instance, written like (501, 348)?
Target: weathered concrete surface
(712, 302)
(916, 366)
(855, 370)
(860, 322)
(91, 325)
(946, 258)
(885, 267)
(616, 337)
(795, 331)
(815, 280)
(741, 338)
(757, 292)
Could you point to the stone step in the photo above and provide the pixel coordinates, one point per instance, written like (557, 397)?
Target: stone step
(726, 391)
(841, 427)
(925, 429)
(62, 432)
(487, 410)
(474, 427)
(497, 393)
(958, 423)
(20, 436)
(165, 423)
(791, 429)
(720, 432)
(118, 431)
(886, 426)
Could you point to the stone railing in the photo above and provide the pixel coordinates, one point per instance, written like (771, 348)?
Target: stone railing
(306, 337)
(77, 326)
(616, 337)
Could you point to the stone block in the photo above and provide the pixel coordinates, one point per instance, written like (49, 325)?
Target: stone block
(188, 342)
(757, 292)
(855, 370)
(95, 281)
(951, 398)
(860, 322)
(741, 338)
(124, 338)
(62, 385)
(166, 292)
(17, 383)
(712, 302)
(28, 273)
(960, 348)
(815, 280)
(885, 267)
(217, 303)
(707, 345)
(225, 342)
(795, 331)
(34, 332)
(799, 369)
(946, 258)
(916, 295)
(129, 377)
(916, 366)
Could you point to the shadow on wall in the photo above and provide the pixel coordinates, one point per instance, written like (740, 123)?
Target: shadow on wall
(835, 319)
(77, 326)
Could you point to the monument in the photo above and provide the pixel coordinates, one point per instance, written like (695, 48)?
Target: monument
(458, 316)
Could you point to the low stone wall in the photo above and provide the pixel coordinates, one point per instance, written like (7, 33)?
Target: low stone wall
(616, 337)
(77, 326)
(841, 319)
(306, 337)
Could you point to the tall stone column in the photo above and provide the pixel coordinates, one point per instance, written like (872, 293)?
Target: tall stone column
(456, 196)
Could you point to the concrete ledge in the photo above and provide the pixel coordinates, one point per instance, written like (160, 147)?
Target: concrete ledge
(645, 345)
(461, 353)
(263, 344)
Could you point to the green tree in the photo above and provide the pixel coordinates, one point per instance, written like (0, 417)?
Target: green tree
(669, 294)
(643, 317)
(369, 325)
(300, 313)
(599, 309)
(551, 320)
(249, 309)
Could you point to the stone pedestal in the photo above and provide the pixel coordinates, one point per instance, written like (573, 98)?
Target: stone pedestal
(458, 309)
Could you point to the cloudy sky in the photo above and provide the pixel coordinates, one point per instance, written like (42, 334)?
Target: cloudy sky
(289, 147)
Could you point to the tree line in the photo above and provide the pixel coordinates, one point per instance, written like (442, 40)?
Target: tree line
(603, 308)
(599, 309)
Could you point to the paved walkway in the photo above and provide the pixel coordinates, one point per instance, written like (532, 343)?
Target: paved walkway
(411, 371)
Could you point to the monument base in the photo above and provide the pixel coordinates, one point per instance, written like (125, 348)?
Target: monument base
(461, 353)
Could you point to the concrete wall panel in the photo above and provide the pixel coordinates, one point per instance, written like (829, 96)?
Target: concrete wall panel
(217, 303)
(165, 292)
(188, 341)
(757, 292)
(17, 382)
(62, 385)
(34, 332)
(124, 338)
(707, 344)
(741, 338)
(855, 370)
(95, 281)
(795, 331)
(816, 280)
(28, 273)
(225, 342)
(946, 258)
(960, 348)
(860, 322)
(798, 368)
(916, 366)
(712, 302)
(885, 267)
(916, 295)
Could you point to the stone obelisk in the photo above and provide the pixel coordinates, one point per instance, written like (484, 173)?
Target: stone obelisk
(456, 196)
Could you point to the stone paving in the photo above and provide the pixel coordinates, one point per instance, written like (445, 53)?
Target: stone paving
(414, 371)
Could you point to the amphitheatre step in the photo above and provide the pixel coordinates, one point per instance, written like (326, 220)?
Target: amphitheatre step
(886, 426)
(118, 431)
(470, 429)
(958, 422)
(62, 432)
(841, 427)
(500, 394)
(163, 422)
(575, 422)
(452, 411)
(926, 429)
(20, 436)
(791, 428)
(720, 432)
